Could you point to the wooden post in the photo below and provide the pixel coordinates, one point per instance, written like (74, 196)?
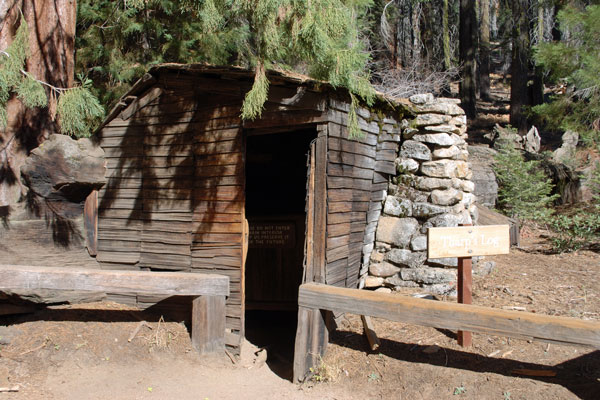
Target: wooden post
(208, 324)
(90, 222)
(370, 334)
(465, 295)
(312, 335)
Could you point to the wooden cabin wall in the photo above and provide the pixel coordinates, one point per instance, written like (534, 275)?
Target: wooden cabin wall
(176, 176)
(175, 193)
(357, 178)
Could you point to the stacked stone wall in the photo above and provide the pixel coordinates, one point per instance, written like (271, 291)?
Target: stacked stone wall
(433, 188)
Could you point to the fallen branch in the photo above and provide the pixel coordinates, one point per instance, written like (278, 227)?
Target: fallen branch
(231, 356)
(137, 330)
(36, 348)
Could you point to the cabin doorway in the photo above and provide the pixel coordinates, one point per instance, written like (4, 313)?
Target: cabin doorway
(276, 184)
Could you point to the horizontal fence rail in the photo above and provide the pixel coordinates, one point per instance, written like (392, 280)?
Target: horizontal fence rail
(438, 314)
(209, 290)
(142, 282)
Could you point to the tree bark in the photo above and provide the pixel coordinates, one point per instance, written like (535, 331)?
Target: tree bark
(51, 59)
(484, 51)
(495, 10)
(416, 33)
(446, 44)
(519, 93)
(537, 88)
(467, 47)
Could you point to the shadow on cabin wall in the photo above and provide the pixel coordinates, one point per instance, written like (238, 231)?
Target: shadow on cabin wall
(174, 172)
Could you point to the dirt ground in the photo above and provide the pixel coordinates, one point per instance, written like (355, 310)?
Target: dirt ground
(92, 351)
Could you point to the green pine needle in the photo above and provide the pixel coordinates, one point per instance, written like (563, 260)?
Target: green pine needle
(354, 131)
(257, 96)
(31, 93)
(77, 111)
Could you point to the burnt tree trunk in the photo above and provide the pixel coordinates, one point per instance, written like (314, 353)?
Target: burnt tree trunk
(467, 47)
(519, 93)
(51, 59)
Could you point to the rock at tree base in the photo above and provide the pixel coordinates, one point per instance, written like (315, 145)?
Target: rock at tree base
(63, 172)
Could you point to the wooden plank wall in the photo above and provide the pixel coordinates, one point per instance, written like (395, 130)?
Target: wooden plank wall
(120, 201)
(357, 177)
(176, 177)
(175, 193)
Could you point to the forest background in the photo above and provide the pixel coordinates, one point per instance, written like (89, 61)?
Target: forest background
(64, 64)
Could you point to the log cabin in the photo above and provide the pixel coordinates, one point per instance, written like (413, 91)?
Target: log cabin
(284, 199)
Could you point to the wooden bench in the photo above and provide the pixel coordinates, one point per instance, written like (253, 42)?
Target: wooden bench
(208, 308)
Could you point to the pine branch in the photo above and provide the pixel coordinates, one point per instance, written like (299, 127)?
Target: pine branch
(77, 108)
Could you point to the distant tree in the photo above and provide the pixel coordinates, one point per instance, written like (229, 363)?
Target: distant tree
(575, 62)
(523, 187)
(520, 96)
(484, 50)
(468, 47)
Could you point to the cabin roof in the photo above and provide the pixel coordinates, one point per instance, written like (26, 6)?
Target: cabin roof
(276, 77)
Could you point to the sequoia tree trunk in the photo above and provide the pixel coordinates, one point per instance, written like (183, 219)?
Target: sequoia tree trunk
(467, 47)
(51, 59)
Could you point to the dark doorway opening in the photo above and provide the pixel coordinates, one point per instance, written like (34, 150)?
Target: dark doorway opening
(276, 176)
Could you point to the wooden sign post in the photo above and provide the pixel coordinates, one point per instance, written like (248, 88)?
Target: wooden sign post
(465, 292)
(465, 242)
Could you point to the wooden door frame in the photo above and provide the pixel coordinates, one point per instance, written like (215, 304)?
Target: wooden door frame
(312, 334)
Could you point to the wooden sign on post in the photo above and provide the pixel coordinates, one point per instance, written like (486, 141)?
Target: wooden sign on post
(466, 242)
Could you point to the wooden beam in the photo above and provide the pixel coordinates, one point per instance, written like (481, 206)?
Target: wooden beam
(452, 316)
(370, 334)
(208, 324)
(142, 282)
(312, 335)
(320, 199)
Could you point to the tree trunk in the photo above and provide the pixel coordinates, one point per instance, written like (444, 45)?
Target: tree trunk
(519, 93)
(467, 46)
(484, 51)
(537, 89)
(51, 59)
(495, 10)
(416, 33)
(446, 44)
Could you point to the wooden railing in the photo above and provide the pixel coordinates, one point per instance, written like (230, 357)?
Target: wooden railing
(439, 314)
(208, 308)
